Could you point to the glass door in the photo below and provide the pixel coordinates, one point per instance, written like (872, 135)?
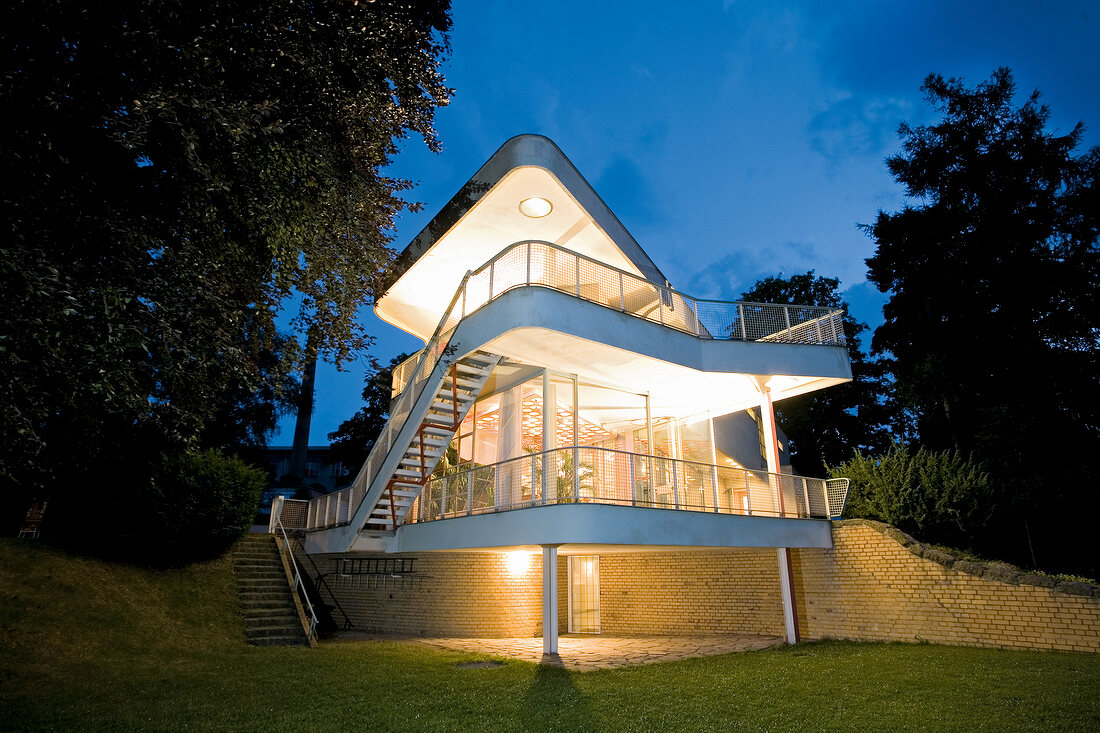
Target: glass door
(584, 594)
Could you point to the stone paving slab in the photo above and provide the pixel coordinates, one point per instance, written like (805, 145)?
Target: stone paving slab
(583, 652)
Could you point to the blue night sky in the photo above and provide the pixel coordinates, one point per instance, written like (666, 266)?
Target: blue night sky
(734, 140)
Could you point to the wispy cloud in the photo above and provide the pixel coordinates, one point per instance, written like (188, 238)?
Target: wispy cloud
(733, 274)
(856, 126)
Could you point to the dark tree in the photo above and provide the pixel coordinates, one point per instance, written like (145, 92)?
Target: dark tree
(827, 427)
(993, 318)
(353, 440)
(175, 171)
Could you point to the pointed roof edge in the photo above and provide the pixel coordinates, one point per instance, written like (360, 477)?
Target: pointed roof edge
(524, 150)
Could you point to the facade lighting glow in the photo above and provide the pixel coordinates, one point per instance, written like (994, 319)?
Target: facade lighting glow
(535, 207)
(517, 562)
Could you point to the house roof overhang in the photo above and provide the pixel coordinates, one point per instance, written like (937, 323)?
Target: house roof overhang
(484, 217)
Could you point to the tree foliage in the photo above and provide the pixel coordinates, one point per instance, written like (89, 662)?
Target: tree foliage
(826, 427)
(171, 173)
(993, 320)
(201, 503)
(939, 497)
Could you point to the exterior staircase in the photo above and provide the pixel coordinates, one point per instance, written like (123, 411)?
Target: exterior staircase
(270, 610)
(453, 398)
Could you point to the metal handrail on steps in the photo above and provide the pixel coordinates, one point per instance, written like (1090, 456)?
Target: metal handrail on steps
(299, 586)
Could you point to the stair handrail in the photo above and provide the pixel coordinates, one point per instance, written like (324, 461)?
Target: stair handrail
(382, 445)
(299, 586)
(322, 581)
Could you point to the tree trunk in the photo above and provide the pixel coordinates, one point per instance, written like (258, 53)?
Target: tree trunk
(301, 423)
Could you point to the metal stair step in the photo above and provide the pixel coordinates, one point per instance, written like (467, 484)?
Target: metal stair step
(466, 384)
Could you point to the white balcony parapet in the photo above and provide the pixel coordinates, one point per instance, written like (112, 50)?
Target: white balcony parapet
(542, 264)
(580, 475)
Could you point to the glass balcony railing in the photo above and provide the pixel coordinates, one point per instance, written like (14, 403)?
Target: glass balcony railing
(547, 265)
(607, 476)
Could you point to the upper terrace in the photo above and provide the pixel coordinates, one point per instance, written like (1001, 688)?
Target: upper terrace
(542, 264)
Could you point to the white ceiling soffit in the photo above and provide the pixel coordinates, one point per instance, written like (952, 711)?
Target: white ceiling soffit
(484, 218)
(675, 390)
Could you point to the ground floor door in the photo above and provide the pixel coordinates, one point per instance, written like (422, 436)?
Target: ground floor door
(584, 594)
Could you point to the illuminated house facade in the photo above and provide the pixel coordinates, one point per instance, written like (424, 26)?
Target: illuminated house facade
(571, 405)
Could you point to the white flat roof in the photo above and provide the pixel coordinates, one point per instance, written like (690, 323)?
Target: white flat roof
(484, 218)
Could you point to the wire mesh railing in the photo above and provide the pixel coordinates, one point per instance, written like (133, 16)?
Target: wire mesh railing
(609, 476)
(547, 265)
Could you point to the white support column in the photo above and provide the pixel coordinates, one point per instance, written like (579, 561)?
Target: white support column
(783, 554)
(549, 599)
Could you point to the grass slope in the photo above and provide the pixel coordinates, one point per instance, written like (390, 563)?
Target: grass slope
(88, 645)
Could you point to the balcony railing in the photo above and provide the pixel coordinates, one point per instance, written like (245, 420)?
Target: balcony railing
(548, 265)
(608, 476)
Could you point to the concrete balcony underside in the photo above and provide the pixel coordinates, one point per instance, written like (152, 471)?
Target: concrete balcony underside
(587, 528)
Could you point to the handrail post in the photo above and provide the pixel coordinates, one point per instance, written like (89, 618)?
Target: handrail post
(443, 499)
(276, 513)
(787, 318)
(633, 483)
(741, 320)
(714, 486)
(576, 472)
(622, 294)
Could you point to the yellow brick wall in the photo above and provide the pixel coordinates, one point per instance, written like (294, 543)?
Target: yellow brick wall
(450, 594)
(722, 592)
(870, 587)
(867, 587)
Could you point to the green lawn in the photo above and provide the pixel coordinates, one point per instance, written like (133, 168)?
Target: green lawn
(92, 646)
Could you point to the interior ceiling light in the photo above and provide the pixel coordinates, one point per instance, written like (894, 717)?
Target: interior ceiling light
(535, 207)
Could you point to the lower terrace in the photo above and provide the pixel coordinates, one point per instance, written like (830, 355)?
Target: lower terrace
(588, 475)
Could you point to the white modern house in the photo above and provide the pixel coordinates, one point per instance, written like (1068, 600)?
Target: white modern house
(570, 405)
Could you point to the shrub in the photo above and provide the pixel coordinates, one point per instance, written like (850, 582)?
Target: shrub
(203, 502)
(938, 497)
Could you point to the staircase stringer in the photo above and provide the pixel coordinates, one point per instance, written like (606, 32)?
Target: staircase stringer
(399, 508)
(412, 424)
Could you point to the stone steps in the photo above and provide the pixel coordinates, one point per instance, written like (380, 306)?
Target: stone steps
(266, 600)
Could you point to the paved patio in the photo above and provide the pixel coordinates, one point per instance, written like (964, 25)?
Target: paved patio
(583, 652)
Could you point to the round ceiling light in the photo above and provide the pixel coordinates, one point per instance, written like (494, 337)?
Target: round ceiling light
(535, 207)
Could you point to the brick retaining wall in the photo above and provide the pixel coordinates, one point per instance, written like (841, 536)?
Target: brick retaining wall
(876, 584)
(449, 594)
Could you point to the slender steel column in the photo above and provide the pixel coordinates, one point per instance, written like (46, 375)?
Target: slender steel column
(783, 554)
(549, 599)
